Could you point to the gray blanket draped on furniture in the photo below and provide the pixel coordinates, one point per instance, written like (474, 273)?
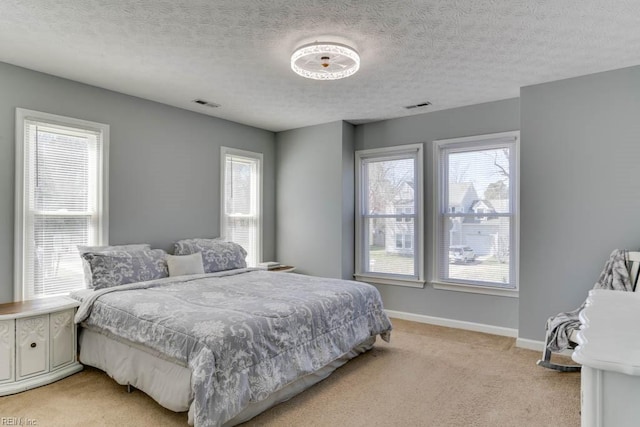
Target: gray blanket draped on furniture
(614, 276)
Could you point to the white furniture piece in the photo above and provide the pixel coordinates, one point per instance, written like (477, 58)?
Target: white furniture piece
(633, 267)
(609, 351)
(37, 343)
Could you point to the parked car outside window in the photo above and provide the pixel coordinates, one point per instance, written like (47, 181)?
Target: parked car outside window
(461, 253)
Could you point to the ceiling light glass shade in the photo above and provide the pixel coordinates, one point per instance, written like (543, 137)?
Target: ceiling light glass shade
(325, 61)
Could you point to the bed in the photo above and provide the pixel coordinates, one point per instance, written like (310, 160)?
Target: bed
(229, 344)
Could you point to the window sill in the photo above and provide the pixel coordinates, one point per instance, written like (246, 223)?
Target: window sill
(485, 290)
(396, 281)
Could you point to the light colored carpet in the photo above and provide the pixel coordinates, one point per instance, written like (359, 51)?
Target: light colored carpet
(427, 376)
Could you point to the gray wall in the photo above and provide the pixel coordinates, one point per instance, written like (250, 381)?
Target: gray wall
(315, 199)
(580, 150)
(473, 120)
(580, 187)
(164, 170)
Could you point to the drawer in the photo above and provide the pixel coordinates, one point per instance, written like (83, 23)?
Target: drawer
(7, 337)
(62, 339)
(32, 342)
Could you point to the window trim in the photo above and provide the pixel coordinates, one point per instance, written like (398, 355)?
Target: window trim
(102, 185)
(391, 279)
(435, 280)
(224, 152)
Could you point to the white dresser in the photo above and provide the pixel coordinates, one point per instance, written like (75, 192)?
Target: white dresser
(609, 351)
(37, 343)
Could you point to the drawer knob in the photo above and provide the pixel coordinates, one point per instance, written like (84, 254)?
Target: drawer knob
(33, 345)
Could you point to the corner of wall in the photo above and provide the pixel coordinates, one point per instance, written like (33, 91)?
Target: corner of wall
(348, 200)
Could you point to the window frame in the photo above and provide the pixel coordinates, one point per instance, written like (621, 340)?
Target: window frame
(259, 157)
(473, 143)
(21, 210)
(362, 156)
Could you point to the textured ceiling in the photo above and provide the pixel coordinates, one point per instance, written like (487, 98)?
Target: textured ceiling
(236, 52)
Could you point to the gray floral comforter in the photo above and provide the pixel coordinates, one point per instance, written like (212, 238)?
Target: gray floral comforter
(244, 334)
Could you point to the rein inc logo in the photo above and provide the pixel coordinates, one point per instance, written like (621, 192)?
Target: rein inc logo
(18, 421)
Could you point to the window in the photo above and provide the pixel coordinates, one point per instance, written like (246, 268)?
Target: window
(389, 219)
(241, 219)
(404, 241)
(401, 210)
(408, 241)
(61, 200)
(476, 219)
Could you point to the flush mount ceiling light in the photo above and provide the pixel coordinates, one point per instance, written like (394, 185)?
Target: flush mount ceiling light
(325, 61)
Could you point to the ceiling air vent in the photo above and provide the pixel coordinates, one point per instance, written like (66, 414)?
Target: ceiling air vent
(206, 103)
(422, 104)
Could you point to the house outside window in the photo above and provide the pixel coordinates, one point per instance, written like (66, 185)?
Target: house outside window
(61, 200)
(476, 217)
(241, 216)
(389, 221)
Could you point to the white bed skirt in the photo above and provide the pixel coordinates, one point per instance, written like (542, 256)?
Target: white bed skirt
(169, 382)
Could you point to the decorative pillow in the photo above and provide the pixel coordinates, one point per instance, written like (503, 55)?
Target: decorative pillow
(100, 249)
(125, 248)
(217, 254)
(190, 246)
(182, 265)
(119, 267)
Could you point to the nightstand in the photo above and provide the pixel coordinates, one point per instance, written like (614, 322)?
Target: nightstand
(37, 343)
(283, 269)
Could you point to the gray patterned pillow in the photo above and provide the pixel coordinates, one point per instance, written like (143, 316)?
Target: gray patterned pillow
(119, 267)
(86, 268)
(217, 254)
(126, 248)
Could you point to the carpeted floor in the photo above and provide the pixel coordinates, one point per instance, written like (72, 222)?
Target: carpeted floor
(427, 376)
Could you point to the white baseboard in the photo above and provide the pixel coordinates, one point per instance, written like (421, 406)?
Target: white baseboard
(476, 327)
(451, 323)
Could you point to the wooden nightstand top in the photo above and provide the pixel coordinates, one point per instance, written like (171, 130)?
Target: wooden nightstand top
(13, 310)
(283, 269)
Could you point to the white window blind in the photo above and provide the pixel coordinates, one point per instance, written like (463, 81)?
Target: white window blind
(59, 200)
(242, 201)
(389, 229)
(476, 218)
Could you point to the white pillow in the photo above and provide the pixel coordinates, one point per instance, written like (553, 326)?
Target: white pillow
(182, 265)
